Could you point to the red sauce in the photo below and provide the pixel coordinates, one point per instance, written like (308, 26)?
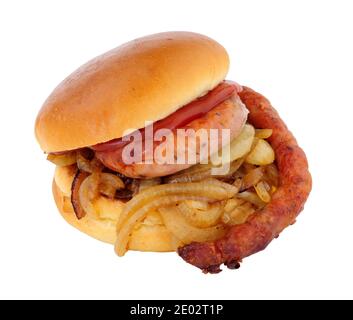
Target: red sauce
(182, 116)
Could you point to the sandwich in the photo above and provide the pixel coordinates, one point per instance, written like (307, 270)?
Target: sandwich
(155, 150)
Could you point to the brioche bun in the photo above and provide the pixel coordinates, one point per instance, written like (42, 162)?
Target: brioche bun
(151, 235)
(146, 79)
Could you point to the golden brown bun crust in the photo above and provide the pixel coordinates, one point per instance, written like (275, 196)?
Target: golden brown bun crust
(145, 79)
(148, 237)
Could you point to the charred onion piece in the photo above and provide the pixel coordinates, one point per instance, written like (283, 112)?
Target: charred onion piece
(75, 193)
(134, 187)
(109, 184)
(124, 194)
(287, 202)
(87, 163)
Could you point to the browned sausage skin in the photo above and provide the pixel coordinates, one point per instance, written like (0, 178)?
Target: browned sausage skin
(230, 114)
(266, 224)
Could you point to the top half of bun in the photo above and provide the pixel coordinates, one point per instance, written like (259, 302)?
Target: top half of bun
(143, 80)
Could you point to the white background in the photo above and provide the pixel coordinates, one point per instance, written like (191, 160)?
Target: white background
(297, 53)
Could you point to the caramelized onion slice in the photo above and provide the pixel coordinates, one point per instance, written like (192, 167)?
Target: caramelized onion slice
(88, 192)
(231, 189)
(87, 164)
(272, 175)
(124, 194)
(263, 133)
(137, 216)
(178, 225)
(109, 183)
(262, 190)
(62, 160)
(261, 154)
(147, 183)
(252, 198)
(200, 205)
(204, 171)
(75, 197)
(253, 177)
(216, 191)
(238, 215)
(232, 203)
(195, 173)
(229, 169)
(201, 218)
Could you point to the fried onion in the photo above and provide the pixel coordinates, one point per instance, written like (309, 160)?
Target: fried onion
(133, 219)
(178, 225)
(201, 218)
(238, 215)
(165, 195)
(215, 191)
(252, 198)
(62, 160)
(109, 183)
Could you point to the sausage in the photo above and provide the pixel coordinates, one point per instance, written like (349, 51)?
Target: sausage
(229, 114)
(264, 225)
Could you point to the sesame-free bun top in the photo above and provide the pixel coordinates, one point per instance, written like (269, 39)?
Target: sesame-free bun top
(143, 80)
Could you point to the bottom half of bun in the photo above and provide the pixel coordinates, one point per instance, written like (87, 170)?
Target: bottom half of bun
(150, 235)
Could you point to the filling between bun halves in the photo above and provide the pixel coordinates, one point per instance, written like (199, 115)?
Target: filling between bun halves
(215, 180)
